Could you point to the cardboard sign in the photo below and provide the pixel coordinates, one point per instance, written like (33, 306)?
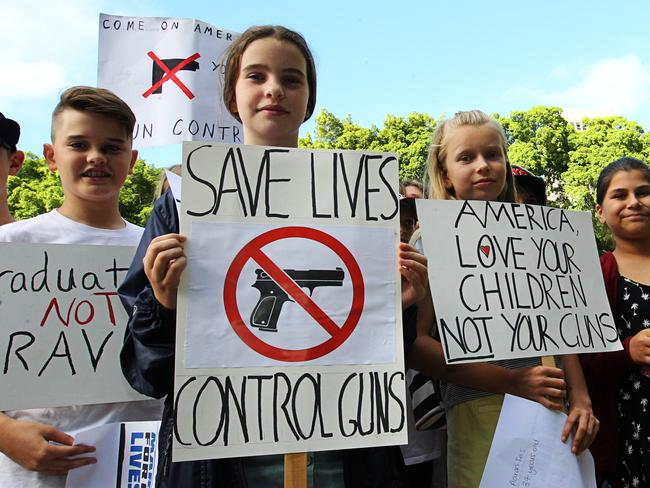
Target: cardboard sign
(62, 325)
(514, 280)
(126, 453)
(169, 71)
(289, 313)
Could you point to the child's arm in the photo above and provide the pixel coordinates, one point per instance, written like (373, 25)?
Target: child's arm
(29, 444)
(147, 356)
(581, 417)
(539, 383)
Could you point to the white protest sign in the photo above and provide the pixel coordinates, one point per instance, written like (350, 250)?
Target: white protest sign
(527, 452)
(62, 325)
(289, 313)
(168, 70)
(127, 456)
(514, 280)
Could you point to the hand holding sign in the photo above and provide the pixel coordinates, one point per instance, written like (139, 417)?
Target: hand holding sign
(164, 262)
(413, 268)
(30, 444)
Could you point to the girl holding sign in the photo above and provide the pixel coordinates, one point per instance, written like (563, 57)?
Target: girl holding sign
(619, 381)
(468, 161)
(270, 86)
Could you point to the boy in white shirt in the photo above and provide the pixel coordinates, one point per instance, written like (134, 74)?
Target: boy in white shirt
(92, 151)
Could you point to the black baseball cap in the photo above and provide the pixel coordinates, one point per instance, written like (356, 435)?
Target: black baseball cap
(9, 132)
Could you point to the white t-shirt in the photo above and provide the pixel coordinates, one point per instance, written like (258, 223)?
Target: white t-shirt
(54, 228)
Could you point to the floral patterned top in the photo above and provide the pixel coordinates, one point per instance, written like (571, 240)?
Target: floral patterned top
(634, 394)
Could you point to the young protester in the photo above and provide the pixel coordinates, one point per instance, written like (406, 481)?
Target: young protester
(91, 150)
(270, 86)
(468, 161)
(530, 189)
(11, 159)
(619, 381)
(411, 189)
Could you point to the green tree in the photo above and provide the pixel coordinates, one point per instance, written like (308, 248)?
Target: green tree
(409, 137)
(605, 140)
(137, 195)
(539, 140)
(36, 190)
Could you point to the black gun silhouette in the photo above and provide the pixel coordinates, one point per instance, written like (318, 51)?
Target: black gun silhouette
(157, 72)
(273, 297)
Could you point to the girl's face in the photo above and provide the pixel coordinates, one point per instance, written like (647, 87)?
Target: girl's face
(626, 205)
(475, 163)
(271, 92)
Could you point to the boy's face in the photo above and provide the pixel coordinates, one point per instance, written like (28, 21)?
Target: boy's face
(92, 154)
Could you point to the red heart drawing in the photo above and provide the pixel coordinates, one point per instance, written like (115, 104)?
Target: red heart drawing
(485, 250)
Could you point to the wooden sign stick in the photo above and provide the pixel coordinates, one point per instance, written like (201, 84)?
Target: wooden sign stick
(295, 470)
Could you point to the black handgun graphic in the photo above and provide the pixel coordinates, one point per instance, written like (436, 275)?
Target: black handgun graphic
(272, 296)
(157, 72)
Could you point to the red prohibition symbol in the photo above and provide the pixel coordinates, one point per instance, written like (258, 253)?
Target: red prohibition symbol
(170, 74)
(253, 250)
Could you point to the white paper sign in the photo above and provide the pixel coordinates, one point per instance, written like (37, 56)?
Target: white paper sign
(168, 70)
(514, 280)
(62, 325)
(527, 452)
(126, 453)
(289, 313)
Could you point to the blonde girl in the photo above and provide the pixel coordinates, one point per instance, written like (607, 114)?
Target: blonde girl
(468, 161)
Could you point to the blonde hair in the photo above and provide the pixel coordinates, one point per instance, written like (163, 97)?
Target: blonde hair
(438, 152)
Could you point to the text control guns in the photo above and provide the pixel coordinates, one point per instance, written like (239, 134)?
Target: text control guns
(272, 296)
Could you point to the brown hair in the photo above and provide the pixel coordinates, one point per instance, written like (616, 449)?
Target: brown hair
(96, 101)
(237, 48)
(438, 152)
(608, 172)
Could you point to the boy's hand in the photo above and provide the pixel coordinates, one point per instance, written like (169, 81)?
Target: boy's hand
(640, 347)
(413, 268)
(30, 445)
(164, 262)
(581, 420)
(540, 384)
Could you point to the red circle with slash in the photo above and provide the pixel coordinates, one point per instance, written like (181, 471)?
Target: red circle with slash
(253, 250)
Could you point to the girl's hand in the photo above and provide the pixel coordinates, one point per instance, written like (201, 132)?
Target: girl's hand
(30, 444)
(581, 420)
(164, 262)
(540, 384)
(413, 268)
(640, 347)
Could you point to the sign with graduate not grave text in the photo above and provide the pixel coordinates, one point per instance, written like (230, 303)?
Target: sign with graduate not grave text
(62, 325)
(289, 313)
(511, 280)
(169, 71)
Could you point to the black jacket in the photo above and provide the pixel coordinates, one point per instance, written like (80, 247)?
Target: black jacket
(147, 360)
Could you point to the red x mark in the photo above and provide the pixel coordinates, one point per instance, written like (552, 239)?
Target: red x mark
(170, 74)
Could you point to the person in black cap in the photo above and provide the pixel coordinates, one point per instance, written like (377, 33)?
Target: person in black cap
(11, 159)
(531, 189)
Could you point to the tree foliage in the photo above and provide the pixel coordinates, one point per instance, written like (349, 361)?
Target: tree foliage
(409, 137)
(539, 139)
(36, 190)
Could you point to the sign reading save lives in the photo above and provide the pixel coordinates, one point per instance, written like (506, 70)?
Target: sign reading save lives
(513, 280)
(289, 325)
(62, 325)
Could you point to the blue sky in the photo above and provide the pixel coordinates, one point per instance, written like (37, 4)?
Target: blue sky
(373, 57)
